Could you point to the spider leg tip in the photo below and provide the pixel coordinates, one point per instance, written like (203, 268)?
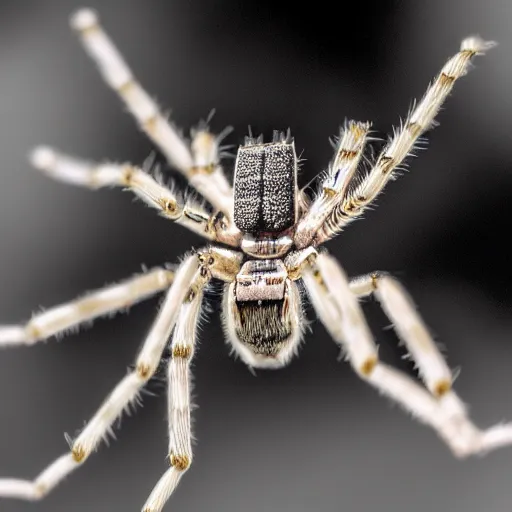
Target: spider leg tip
(42, 157)
(477, 45)
(83, 19)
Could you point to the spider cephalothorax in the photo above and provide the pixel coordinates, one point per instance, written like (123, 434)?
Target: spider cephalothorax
(265, 239)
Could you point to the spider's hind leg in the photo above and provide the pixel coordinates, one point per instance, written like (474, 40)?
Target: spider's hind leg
(190, 278)
(337, 306)
(400, 309)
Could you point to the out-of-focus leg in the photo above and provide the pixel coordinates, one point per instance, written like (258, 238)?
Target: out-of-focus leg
(189, 277)
(208, 179)
(95, 304)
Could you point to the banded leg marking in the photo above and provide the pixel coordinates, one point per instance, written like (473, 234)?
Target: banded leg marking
(334, 187)
(180, 449)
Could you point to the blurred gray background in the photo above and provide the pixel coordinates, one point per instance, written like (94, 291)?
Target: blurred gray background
(311, 436)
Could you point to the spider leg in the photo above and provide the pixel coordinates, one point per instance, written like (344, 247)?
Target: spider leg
(405, 137)
(190, 279)
(400, 309)
(171, 205)
(95, 304)
(201, 165)
(180, 449)
(338, 308)
(349, 151)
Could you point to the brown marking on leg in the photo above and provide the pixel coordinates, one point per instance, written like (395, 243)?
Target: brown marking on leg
(182, 351)
(78, 453)
(442, 387)
(143, 371)
(180, 462)
(368, 366)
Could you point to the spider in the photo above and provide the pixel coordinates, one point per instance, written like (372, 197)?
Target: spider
(265, 237)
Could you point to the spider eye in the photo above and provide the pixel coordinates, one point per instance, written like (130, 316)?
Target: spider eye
(265, 185)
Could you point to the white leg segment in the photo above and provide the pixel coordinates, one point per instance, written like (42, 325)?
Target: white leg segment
(334, 187)
(91, 175)
(119, 77)
(340, 312)
(180, 449)
(95, 304)
(446, 413)
(188, 277)
(402, 143)
(399, 308)
(47, 480)
(206, 152)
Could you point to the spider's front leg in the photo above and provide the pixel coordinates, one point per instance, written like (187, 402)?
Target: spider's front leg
(336, 304)
(171, 206)
(200, 162)
(354, 199)
(190, 276)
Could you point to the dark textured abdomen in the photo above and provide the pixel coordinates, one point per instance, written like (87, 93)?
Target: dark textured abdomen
(265, 185)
